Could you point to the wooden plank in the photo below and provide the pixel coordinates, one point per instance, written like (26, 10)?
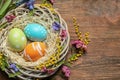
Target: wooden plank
(102, 19)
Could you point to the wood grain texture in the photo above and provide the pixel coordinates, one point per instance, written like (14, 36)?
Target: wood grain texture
(102, 19)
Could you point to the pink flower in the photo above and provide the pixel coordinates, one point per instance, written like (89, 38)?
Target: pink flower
(79, 44)
(9, 18)
(76, 42)
(66, 71)
(52, 1)
(84, 47)
(50, 71)
(63, 34)
(44, 69)
(64, 68)
(67, 74)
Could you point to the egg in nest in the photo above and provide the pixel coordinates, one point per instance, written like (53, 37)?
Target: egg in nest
(34, 51)
(35, 32)
(17, 39)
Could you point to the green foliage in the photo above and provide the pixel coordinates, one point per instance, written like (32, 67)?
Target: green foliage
(4, 7)
(44, 1)
(3, 63)
(12, 75)
(31, 13)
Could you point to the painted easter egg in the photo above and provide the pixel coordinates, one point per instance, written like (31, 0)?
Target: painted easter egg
(35, 32)
(17, 39)
(34, 51)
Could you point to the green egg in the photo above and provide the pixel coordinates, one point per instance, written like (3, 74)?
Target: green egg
(17, 39)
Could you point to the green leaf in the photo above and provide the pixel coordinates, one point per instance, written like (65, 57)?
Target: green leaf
(1, 3)
(44, 1)
(3, 67)
(72, 56)
(57, 19)
(61, 62)
(12, 75)
(67, 64)
(4, 64)
(31, 12)
(12, 6)
(4, 7)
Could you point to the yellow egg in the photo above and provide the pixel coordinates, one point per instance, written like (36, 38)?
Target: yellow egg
(34, 51)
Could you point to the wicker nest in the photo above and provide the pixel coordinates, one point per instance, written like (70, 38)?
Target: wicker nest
(46, 17)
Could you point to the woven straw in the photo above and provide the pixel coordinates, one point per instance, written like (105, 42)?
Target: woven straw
(43, 16)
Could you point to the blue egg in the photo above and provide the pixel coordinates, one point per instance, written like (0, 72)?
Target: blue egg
(35, 32)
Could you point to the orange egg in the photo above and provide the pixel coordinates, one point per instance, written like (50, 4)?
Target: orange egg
(34, 51)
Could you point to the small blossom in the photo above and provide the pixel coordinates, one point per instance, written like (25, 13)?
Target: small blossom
(52, 1)
(56, 26)
(13, 66)
(63, 34)
(76, 42)
(44, 69)
(30, 4)
(84, 47)
(67, 74)
(9, 18)
(50, 71)
(79, 44)
(66, 71)
(64, 68)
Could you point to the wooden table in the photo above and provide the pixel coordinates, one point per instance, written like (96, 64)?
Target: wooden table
(102, 19)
